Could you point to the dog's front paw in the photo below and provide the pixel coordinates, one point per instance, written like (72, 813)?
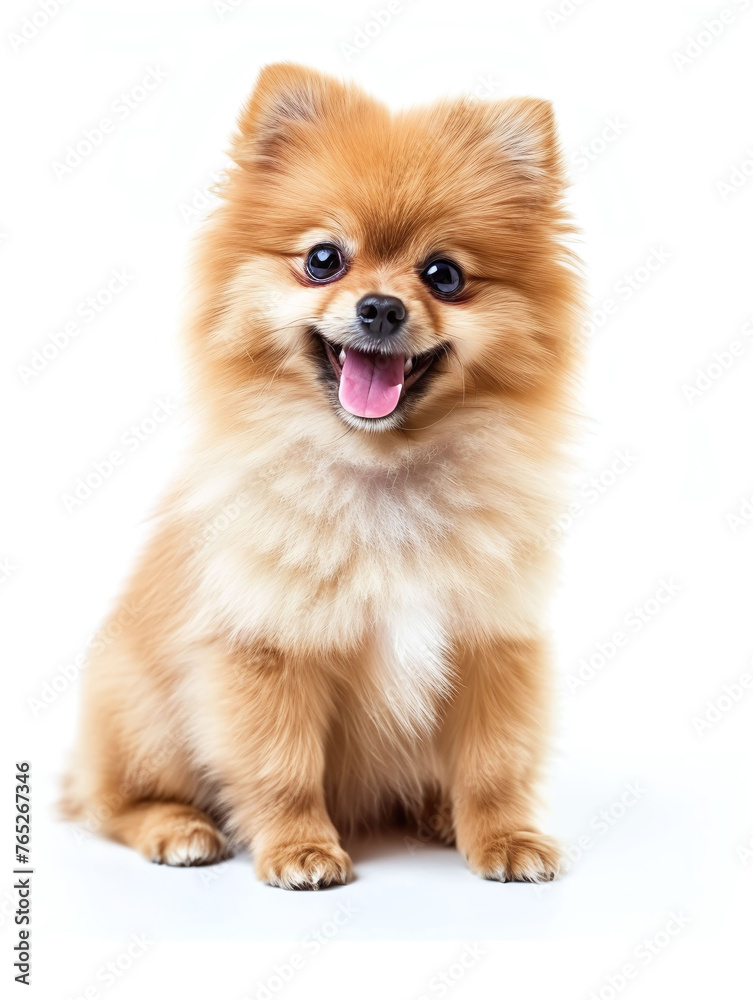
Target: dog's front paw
(304, 866)
(170, 833)
(520, 856)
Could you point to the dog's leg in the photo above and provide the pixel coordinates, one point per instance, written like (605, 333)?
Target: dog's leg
(137, 793)
(267, 734)
(168, 833)
(131, 777)
(137, 801)
(494, 743)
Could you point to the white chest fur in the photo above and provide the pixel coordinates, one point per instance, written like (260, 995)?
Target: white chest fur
(413, 671)
(323, 552)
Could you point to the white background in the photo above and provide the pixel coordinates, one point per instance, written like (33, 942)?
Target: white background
(651, 186)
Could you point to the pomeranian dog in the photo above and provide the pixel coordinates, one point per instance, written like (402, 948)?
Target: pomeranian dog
(342, 614)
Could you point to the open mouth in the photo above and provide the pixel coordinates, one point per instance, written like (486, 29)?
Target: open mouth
(372, 384)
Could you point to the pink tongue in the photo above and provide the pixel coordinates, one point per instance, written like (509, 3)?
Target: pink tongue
(370, 383)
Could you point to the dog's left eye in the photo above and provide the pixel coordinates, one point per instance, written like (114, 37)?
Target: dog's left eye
(324, 262)
(443, 276)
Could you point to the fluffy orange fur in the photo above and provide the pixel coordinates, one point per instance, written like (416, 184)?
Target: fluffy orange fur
(336, 620)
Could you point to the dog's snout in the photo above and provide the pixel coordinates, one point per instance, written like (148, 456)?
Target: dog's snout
(381, 315)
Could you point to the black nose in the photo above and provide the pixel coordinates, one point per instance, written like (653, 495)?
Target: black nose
(381, 315)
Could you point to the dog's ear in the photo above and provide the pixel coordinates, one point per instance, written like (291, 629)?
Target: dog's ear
(528, 133)
(524, 131)
(286, 100)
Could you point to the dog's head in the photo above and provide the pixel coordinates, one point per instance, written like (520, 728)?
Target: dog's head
(386, 269)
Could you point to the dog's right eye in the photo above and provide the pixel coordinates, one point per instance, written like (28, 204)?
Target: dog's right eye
(324, 262)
